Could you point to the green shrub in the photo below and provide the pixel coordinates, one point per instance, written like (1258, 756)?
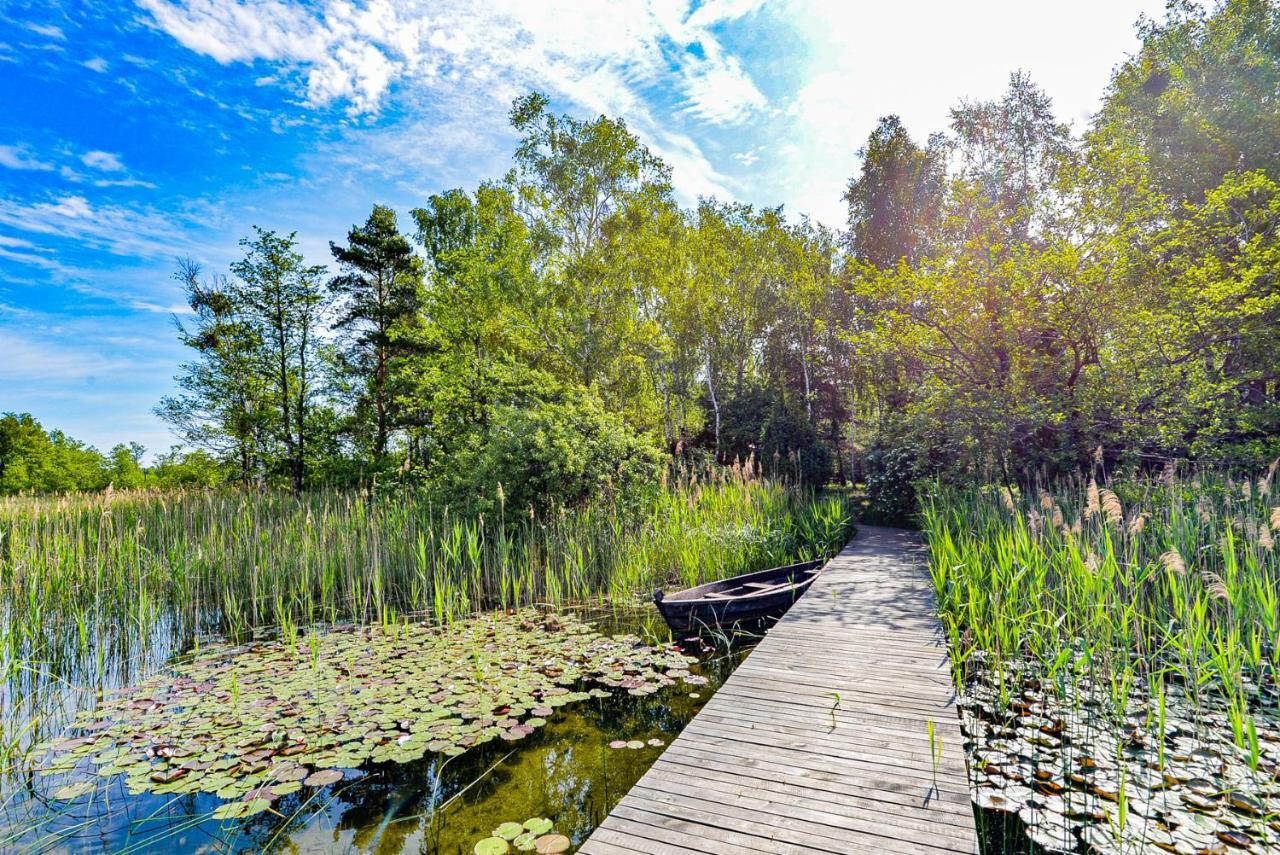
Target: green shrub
(547, 454)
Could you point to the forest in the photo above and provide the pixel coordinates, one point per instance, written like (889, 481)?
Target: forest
(1007, 299)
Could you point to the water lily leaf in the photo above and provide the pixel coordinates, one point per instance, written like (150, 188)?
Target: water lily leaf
(525, 842)
(508, 830)
(492, 846)
(537, 825)
(323, 778)
(552, 844)
(73, 791)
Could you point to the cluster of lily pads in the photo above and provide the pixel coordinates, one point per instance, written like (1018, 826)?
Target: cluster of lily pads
(255, 723)
(532, 835)
(636, 744)
(1085, 776)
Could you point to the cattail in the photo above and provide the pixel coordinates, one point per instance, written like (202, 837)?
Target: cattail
(1092, 563)
(1076, 528)
(1058, 520)
(1265, 540)
(1172, 561)
(1246, 491)
(1097, 454)
(1111, 506)
(1137, 523)
(1275, 518)
(1204, 510)
(1046, 501)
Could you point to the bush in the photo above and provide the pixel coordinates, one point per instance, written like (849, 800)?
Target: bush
(548, 454)
(757, 423)
(889, 475)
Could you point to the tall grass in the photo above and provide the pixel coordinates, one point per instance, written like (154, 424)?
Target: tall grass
(94, 589)
(1145, 586)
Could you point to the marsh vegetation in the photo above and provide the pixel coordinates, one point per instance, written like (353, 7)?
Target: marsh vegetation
(1116, 645)
(222, 651)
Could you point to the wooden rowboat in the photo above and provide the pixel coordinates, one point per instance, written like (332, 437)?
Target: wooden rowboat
(741, 602)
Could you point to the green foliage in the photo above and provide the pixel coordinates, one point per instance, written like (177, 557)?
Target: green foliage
(179, 468)
(378, 294)
(1199, 96)
(758, 425)
(889, 474)
(35, 461)
(546, 455)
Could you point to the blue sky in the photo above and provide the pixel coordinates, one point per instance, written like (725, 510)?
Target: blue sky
(133, 135)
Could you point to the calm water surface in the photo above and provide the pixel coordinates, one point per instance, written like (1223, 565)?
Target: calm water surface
(565, 771)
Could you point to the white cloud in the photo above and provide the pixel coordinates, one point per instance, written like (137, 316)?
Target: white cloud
(607, 57)
(30, 360)
(97, 64)
(17, 157)
(47, 30)
(718, 90)
(120, 230)
(103, 161)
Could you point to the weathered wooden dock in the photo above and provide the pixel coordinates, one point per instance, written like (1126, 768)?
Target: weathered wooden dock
(819, 741)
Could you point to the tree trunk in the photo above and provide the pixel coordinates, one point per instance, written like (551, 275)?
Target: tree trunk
(715, 404)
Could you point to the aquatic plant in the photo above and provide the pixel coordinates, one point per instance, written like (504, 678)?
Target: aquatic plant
(98, 590)
(258, 722)
(1116, 646)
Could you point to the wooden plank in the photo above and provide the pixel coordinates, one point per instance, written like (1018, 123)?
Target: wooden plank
(772, 764)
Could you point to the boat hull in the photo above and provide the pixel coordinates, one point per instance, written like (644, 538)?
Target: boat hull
(716, 607)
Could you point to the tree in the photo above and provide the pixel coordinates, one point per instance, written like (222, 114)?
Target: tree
(282, 298)
(895, 201)
(478, 345)
(125, 466)
(379, 292)
(248, 395)
(1200, 96)
(35, 461)
(580, 185)
(1012, 150)
(224, 407)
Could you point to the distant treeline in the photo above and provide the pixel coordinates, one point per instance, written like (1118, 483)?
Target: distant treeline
(36, 460)
(1007, 298)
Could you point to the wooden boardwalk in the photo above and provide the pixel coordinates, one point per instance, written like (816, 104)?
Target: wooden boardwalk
(774, 764)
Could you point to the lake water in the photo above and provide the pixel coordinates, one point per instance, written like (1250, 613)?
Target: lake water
(565, 771)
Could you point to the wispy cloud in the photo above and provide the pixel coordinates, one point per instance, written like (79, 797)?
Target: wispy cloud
(139, 232)
(18, 157)
(103, 161)
(50, 31)
(605, 57)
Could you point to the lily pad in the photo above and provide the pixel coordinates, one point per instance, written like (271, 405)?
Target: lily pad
(323, 778)
(492, 846)
(509, 830)
(552, 844)
(73, 791)
(350, 696)
(538, 825)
